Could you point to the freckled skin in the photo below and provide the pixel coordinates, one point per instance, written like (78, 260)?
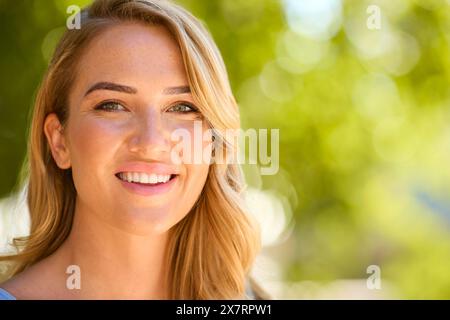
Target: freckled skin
(148, 59)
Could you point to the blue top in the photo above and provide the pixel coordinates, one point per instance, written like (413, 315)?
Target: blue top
(5, 295)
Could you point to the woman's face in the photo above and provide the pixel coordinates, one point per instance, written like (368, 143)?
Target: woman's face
(131, 92)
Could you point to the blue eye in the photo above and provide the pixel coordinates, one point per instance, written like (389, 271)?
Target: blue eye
(183, 108)
(110, 106)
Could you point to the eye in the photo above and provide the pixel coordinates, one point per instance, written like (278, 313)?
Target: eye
(110, 106)
(183, 107)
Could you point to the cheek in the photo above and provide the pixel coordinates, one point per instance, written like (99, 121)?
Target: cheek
(92, 144)
(196, 178)
(197, 172)
(191, 189)
(197, 167)
(192, 144)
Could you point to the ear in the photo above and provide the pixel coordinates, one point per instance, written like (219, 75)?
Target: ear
(57, 141)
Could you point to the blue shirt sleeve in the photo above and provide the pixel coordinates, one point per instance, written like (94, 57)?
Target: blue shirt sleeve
(5, 295)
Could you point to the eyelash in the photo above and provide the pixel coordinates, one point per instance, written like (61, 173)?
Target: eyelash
(101, 106)
(189, 105)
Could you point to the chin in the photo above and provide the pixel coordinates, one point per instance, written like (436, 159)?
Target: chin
(147, 221)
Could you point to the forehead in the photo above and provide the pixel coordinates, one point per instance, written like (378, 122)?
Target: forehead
(132, 53)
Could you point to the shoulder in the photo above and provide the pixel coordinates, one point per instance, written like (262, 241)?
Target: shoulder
(254, 291)
(30, 283)
(15, 287)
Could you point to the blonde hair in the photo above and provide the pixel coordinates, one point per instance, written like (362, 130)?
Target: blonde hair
(212, 249)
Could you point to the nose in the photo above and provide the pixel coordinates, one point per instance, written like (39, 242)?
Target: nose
(150, 138)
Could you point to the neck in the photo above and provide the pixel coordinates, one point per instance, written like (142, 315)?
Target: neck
(115, 263)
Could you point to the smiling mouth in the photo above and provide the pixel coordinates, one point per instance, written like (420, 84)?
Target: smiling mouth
(145, 179)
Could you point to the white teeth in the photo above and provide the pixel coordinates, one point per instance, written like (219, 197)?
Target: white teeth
(129, 176)
(144, 177)
(163, 178)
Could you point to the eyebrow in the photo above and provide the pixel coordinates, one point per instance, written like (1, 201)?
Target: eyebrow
(130, 90)
(177, 90)
(112, 87)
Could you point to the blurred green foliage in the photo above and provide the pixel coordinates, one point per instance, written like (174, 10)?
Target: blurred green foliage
(363, 116)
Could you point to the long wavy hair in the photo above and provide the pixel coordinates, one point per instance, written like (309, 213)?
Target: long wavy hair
(212, 249)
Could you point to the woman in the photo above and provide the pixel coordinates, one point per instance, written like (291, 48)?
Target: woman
(118, 211)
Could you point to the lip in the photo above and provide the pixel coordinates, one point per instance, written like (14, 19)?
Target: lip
(149, 168)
